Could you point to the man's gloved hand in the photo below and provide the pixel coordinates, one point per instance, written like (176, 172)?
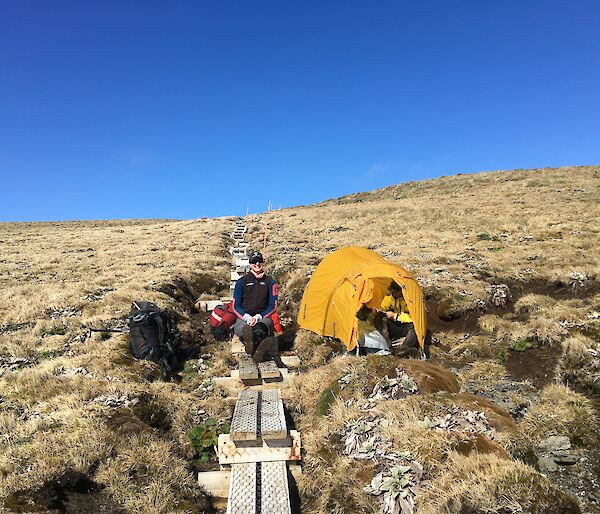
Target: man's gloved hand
(246, 317)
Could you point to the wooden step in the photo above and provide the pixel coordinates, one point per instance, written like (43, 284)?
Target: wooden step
(207, 305)
(235, 276)
(242, 261)
(216, 483)
(238, 252)
(277, 450)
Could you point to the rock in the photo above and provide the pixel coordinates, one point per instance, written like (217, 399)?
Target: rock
(565, 459)
(555, 443)
(546, 464)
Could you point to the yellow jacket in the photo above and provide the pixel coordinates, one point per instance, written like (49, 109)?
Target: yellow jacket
(398, 306)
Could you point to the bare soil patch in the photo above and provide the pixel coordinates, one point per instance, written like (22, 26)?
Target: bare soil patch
(537, 364)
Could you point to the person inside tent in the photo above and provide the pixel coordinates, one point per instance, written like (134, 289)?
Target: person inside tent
(254, 303)
(370, 340)
(397, 318)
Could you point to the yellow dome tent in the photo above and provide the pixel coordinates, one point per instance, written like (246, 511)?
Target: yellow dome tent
(345, 281)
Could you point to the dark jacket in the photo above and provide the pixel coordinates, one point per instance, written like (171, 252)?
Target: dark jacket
(255, 295)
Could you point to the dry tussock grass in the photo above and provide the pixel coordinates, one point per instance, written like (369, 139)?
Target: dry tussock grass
(562, 411)
(533, 230)
(487, 483)
(580, 364)
(56, 280)
(482, 371)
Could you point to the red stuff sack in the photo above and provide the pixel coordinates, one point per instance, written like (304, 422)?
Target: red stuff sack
(221, 321)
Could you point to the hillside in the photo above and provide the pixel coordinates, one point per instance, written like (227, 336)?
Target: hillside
(509, 265)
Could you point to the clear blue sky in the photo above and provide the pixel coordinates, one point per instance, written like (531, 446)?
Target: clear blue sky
(185, 109)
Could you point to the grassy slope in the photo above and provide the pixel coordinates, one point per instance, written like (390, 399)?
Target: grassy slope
(533, 230)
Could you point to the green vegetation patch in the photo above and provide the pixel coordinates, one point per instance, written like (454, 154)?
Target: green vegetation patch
(205, 437)
(522, 344)
(328, 396)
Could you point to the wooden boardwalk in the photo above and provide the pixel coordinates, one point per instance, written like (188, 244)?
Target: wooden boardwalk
(254, 456)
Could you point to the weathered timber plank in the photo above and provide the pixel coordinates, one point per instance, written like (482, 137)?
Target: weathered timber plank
(216, 483)
(207, 305)
(242, 489)
(274, 490)
(237, 346)
(235, 276)
(244, 422)
(233, 384)
(292, 361)
(231, 452)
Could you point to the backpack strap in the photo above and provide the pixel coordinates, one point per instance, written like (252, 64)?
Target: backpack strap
(160, 323)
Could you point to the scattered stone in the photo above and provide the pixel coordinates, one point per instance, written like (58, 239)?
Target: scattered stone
(15, 363)
(555, 443)
(514, 397)
(114, 401)
(498, 295)
(63, 312)
(71, 372)
(98, 294)
(547, 464)
(566, 458)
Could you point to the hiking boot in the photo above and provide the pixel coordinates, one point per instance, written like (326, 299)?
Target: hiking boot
(248, 340)
(264, 349)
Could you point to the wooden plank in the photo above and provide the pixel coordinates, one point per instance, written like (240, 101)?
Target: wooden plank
(207, 305)
(215, 483)
(242, 261)
(233, 384)
(272, 417)
(242, 489)
(274, 489)
(235, 275)
(291, 361)
(231, 452)
(244, 422)
(248, 369)
(268, 369)
(237, 346)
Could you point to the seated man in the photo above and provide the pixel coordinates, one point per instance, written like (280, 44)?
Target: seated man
(254, 302)
(398, 320)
